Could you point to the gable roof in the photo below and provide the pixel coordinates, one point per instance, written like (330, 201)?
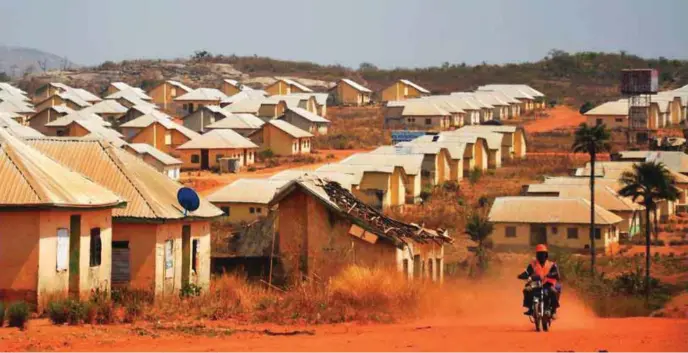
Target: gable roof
(618, 107)
(260, 191)
(548, 210)
(410, 163)
(218, 139)
(202, 94)
(180, 85)
(320, 98)
(149, 193)
(346, 180)
(605, 196)
(8, 122)
(160, 156)
(76, 115)
(355, 85)
(6, 86)
(674, 160)
(146, 120)
(14, 106)
(493, 139)
(97, 130)
(419, 88)
(107, 106)
(132, 94)
(237, 121)
(237, 84)
(246, 94)
(294, 83)
(11, 95)
(248, 105)
(289, 129)
(314, 118)
(31, 178)
(423, 108)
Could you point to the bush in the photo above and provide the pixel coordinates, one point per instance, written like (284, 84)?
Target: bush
(71, 311)
(189, 290)
(2, 314)
(18, 314)
(474, 176)
(266, 154)
(251, 168)
(57, 312)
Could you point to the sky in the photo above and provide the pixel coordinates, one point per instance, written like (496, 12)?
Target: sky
(387, 33)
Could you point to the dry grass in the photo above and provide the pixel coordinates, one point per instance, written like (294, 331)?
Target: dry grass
(354, 128)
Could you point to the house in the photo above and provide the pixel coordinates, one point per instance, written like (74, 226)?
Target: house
(521, 222)
(110, 110)
(161, 161)
(245, 200)
(323, 228)
(275, 106)
(447, 155)
(118, 89)
(486, 110)
(403, 89)
(606, 197)
(157, 131)
(8, 122)
(282, 138)
(493, 142)
(67, 98)
(141, 109)
(232, 87)
(55, 227)
(319, 101)
(204, 152)
(48, 90)
(475, 149)
(306, 120)
(349, 92)
(284, 85)
(252, 94)
(63, 126)
(47, 115)
(19, 108)
(206, 115)
(420, 115)
(529, 97)
(404, 182)
(492, 106)
(242, 123)
(613, 114)
(380, 186)
(433, 160)
(192, 101)
(248, 106)
(514, 144)
(677, 161)
(130, 98)
(89, 128)
(156, 245)
(164, 93)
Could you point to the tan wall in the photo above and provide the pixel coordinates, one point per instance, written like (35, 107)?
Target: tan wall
(241, 212)
(347, 95)
(53, 101)
(229, 90)
(246, 157)
(611, 121)
(279, 88)
(279, 142)
(19, 249)
(182, 111)
(609, 241)
(399, 91)
(421, 122)
(164, 95)
(39, 120)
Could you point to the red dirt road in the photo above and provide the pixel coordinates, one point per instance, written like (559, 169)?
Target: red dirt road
(478, 317)
(560, 117)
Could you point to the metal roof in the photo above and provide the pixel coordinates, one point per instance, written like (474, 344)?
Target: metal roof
(356, 85)
(619, 108)
(411, 163)
(237, 121)
(357, 171)
(149, 193)
(218, 139)
(249, 105)
(252, 94)
(493, 139)
(180, 85)
(259, 191)
(529, 92)
(314, 118)
(6, 86)
(344, 179)
(294, 83)
(108, 106)
(132, 94)
(674, 160)
(289, 129)
(8, 122)
(320, 98)
(419, 88)
(548, 210)
(160, 156)
(30, 178)
(423, 108)
(605, 196)
(202, 94)
(76, 115)
(150, 118)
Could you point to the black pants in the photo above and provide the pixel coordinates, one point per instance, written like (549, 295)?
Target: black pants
(550, 293)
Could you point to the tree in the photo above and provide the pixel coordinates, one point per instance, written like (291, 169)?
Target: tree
(202, 55)
(43, 64)
(4, 77)
(479, 229)
(366, 66)
(585, 107)
(648, 183)
(591, 140)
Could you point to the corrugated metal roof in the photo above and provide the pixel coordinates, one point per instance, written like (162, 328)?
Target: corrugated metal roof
(344, 179)
(251, 105)
(614, 169)
(132, 94)
(290, 129)
(6, 86)
(149, 193)
(320, 98)
(85, 95)
(491, 128)
(178, 84)
(10, 106)
(108, 106)
(218, 139)
(419, 88)
(76, 115)
(675, 160)
(8, 95)
(150, 118)
(315, 118)
(160, 156)
(411, 163)
(477, 99)
(513, 88)
(548, 210)
(202, 94)
(493, 139)
(356, 85)
(8, 122)
(237, 121)
(73, 97)
(30, 178)
(356, 170)
(619, 107)
(248, 191)
(423, 108)
(252, 94)
(605, 196)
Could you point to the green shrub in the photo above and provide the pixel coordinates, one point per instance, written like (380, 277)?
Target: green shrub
(266, 154)
(71, 311)
(189, 290)
(2, 314)
(450, 186)
(57, 312)
(474, 175)
(18, 314)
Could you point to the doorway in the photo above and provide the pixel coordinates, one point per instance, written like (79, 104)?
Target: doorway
(74, 245)
(538, 234)
(121, 268)
(186, 254)
(205, 165)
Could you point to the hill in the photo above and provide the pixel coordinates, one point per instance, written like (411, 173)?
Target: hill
(565, 77)
(16, 61)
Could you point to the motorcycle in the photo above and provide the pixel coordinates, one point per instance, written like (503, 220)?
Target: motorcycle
(542, 307)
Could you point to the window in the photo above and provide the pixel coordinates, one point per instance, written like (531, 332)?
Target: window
(259, 210)
(195, 158)
(96, 249)
(511, 232)
(572, 233)
(225, 210)
(619, 120)
(168, 138)
(185, 107)
(252, 210)
(194, 255)
(598, 121)
(169, 258)
(173, 91)
(555, 230)
(598, 233)
(62, 249)
(428, 121)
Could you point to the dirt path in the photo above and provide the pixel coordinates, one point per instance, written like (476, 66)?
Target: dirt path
(560, 117)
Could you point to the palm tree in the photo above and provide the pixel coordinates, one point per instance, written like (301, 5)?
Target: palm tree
(592, 140)
(479, 229)
(648, 183)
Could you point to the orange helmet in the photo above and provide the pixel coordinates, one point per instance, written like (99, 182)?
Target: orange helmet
(541, 248)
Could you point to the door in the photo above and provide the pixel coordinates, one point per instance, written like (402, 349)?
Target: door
(74, 244)
(186, 254)
(121, 268)
(538, 234)
(204, 160)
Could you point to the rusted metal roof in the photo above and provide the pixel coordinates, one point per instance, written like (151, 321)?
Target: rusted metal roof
(30, 178)
(150, 194)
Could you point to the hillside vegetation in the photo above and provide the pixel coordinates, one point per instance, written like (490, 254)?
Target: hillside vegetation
(565, 77)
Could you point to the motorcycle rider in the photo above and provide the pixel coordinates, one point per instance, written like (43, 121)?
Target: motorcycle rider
(545, 270)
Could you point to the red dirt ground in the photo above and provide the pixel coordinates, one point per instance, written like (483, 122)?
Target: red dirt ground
(467, 317)
(560, 117)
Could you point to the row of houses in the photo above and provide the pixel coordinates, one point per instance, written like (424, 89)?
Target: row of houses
(418, 110)
(663, 109)
(557, 211)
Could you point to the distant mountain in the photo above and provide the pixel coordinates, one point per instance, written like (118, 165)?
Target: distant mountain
(15, 61)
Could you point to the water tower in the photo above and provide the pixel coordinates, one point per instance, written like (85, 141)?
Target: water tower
(638, 85)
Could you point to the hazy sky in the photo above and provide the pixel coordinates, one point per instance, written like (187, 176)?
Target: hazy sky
(388, 33)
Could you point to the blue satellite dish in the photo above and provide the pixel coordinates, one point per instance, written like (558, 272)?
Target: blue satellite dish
(188, 199)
